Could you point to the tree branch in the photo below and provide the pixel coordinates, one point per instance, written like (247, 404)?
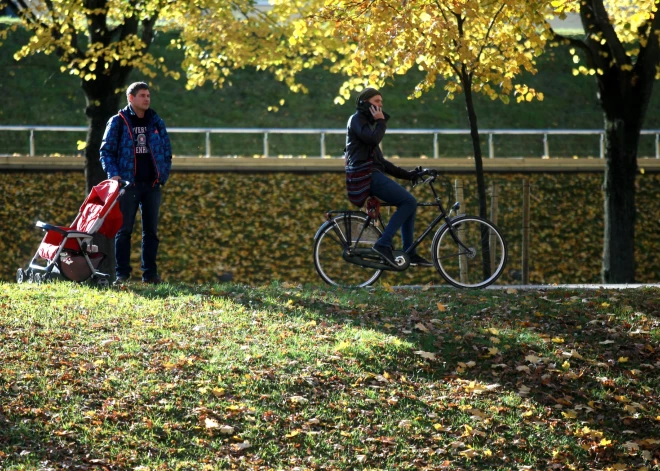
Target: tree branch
(23, 9)
(490, 27)
(602, 21)
(649, 54)
(445, 18)
(97, 28)
(577, 44)
(453, 66)
(148, 30)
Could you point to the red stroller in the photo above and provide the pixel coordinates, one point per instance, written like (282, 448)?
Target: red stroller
(68, 251)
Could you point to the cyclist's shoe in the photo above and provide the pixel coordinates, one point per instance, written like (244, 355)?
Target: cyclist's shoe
(385, 253)
(417, 260)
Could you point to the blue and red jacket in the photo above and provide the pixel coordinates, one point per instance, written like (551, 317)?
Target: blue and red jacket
(118, 146)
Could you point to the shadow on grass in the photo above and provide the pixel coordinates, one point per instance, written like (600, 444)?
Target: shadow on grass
(583, 365)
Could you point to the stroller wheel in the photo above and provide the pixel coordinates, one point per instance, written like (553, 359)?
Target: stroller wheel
(46, 278)
(20, 275)
(30, 275)
(38, 278)
(102, 283)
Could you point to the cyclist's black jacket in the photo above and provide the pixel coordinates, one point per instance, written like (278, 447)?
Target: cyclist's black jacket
(363, 137)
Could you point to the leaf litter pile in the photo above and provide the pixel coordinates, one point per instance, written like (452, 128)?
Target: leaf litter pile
(300, 377)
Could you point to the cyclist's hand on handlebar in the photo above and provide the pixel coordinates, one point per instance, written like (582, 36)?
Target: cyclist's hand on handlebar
(415, 176)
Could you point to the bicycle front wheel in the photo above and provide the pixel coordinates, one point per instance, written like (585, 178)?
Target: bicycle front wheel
(470, 252)
(331, 241)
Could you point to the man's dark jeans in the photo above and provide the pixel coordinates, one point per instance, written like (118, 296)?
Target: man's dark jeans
(391, 192)
(146, 197)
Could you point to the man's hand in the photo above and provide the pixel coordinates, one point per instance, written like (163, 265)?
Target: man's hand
(376, 112)
(116, 177)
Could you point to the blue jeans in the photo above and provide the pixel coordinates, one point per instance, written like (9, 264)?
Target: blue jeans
(146, 197)
(389, 191)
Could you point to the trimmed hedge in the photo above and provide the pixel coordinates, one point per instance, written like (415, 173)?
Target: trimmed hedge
(261, 227)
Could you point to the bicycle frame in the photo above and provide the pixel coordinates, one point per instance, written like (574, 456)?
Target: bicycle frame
(443, 216)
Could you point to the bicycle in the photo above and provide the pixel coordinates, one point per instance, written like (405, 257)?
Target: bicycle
(467, 251)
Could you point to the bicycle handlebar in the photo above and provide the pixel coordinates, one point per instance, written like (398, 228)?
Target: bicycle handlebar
(428, 171)
(423, 172)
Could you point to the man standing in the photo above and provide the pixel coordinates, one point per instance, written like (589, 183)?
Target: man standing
(136, 148)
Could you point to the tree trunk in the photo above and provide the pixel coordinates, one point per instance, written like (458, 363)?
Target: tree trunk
(102, 104)
(479, 166)
(621, 140)
(625, 84)
(476, 146)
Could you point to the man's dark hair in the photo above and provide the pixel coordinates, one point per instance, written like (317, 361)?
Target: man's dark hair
(135, 87)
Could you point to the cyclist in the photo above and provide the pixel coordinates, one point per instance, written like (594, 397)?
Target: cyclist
(366, 170)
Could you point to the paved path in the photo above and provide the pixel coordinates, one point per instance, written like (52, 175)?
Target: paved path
(549, 287)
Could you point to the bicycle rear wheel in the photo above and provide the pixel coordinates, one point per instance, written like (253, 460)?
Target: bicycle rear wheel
(478, 260)
(329, 246)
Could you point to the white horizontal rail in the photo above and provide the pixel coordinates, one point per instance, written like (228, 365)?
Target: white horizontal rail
(322, 132)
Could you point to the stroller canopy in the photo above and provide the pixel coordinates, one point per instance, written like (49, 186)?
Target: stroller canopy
(97, 213)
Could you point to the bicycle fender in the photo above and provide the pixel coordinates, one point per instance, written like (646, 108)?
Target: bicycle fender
(332, 221)
(322, 228)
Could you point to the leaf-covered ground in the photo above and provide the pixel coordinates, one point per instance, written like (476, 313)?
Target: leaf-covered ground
(291, 377)
(258, 228)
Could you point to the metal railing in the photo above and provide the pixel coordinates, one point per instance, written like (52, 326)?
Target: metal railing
(435, 133)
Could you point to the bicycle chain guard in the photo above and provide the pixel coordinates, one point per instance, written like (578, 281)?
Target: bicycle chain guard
(365, 257)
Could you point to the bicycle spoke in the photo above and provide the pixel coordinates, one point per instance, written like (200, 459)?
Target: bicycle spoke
(329, 253)
(482, 260)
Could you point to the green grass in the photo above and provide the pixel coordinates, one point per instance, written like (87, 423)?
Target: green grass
(35, 92)
(285, 376)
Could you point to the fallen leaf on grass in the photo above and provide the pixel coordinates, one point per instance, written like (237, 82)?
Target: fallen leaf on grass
(477, 388)
(226, 430)
(299, 399)
(441, 428)
(469, 453)
(631, 446)
(210, 423)
(240, 446)
(572, 354)
(422, 327)
(427, 355)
